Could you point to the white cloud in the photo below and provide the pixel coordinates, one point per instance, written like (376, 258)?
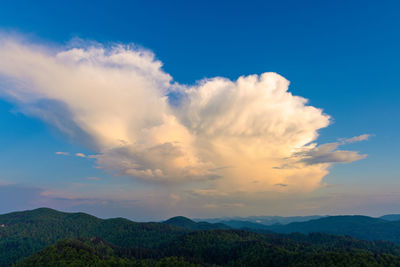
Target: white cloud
(115, 101)
(62, 153)
(354, 139)
(81, 155)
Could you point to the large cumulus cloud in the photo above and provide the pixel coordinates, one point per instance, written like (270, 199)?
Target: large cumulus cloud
(245, 135)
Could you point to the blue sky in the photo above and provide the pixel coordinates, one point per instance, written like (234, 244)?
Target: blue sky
(342, 56)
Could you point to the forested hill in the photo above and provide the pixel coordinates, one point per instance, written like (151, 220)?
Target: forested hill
(189, 224)
(23, 233)
(361, 227)
(219, 248)
(97, 252)
(179, 239)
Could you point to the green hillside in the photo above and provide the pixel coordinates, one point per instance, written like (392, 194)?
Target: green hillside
(23, 233)
(93, 252)
(212, 248)
(361, 227)
(52, 238)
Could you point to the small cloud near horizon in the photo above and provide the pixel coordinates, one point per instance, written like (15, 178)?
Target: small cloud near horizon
(62, 153)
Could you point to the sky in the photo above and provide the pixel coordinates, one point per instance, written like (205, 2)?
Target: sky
(152, 109)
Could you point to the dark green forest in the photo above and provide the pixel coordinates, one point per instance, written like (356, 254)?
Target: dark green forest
(361, 227)
(45, 237)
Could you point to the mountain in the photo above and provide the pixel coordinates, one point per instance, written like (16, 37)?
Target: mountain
(186, 223)
(361, 227)
(237, 224)
(266, 220)
(243, 248)
(48, 237)
(23, 233)
(390, 217)
(270, 220)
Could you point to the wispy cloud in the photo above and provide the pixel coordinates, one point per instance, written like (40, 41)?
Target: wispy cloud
(354, 139)
(327, 153)
(62, 153)
(81, 155)
(115, 100)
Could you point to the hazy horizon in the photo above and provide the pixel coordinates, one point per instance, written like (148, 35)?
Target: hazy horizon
(250, 218)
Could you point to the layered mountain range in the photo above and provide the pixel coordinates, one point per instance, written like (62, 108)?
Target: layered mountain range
(46, 237)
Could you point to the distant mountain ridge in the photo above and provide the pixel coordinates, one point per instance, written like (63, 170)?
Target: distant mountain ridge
(386, 227)
(236, 224)
(186, 223)
(276, 223)
(390, 217)
(361, 227)
(264, 220)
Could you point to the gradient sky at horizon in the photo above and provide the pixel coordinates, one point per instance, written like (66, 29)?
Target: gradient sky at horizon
(342, 56)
